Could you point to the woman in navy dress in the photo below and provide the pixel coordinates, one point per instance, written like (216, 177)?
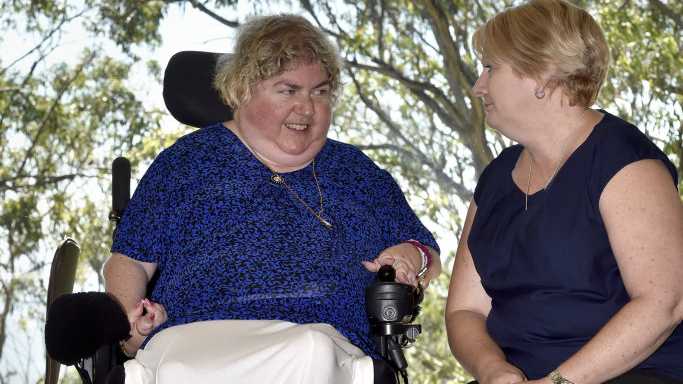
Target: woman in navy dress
(568, 268)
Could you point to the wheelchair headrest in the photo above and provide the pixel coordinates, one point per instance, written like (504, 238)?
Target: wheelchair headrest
(188, 91)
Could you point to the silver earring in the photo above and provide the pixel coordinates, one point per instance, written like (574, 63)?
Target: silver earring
(540, 93)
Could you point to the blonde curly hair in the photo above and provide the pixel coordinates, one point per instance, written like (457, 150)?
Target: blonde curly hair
(268, 46)
(549, 36)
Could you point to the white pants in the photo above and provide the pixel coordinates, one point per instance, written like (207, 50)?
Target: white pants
(249, 351)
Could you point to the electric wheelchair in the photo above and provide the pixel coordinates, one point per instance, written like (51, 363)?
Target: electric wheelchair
(190, 98)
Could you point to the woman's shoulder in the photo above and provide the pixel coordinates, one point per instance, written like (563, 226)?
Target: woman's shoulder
(206, 138)
(496, 172)
(348, 151)
(198, 145)
(191, 156)
(621, 134)
(503, 163)
(619, 143)
(508, 156)
(347, 166)
(614, 144)
(349, 158)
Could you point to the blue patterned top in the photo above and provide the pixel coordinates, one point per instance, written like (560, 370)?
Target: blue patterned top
(550, 271)
(231, 244)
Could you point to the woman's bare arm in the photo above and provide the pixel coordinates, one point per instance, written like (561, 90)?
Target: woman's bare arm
(127, 279)
(643, 215)
(467, 307)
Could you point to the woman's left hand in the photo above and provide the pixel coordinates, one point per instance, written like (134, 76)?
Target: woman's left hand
(405, 259)
(155, 315)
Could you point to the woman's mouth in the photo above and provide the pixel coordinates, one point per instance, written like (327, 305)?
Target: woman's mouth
(297, 126)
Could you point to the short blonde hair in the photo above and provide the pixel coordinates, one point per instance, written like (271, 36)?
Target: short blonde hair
(553, 36)
(268, 46)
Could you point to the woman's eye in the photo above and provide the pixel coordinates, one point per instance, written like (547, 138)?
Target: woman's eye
(288, 91)
(488, 67)
(321, 92)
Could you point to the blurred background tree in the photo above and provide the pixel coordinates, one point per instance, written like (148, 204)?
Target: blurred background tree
(407, 102)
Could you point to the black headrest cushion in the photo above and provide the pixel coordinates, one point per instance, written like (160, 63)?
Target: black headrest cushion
(188, 91)
(79, 323)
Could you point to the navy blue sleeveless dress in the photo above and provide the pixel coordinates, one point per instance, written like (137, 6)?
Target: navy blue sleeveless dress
(550, 271)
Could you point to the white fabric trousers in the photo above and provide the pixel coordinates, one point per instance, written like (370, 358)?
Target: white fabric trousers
(248, 352)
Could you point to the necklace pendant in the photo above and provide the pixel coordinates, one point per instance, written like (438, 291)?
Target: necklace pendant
(277, 179)
(325, 223)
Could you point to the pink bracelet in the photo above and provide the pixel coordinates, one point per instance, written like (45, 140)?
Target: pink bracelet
(424, 254)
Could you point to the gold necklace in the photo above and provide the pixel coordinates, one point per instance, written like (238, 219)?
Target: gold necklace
(279, 179)
(567, 155)
(528, 184)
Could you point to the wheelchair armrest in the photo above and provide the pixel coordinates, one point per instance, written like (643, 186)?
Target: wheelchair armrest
(61, 281)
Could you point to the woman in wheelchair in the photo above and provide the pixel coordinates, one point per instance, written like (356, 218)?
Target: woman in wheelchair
(263, 233)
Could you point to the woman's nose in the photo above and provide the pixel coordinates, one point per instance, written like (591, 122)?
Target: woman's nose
(479, 87)
(305, 106)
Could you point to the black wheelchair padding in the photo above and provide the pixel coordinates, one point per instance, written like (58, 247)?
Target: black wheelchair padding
(188, 88)
(79, 324)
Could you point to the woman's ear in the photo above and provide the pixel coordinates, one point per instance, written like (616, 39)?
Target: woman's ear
(545, 84)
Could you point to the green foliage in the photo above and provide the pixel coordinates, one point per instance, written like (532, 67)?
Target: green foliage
(430, 359)
(645, 83)
(128, 22)
(407, 103)
(60, 124)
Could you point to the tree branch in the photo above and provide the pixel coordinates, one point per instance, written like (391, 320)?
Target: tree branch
(25, 81)
(214, 15)
(448, 48)
(53, 106)
(9, 183)
(668, 12)
(437, 103)
(441, 178)
(47, 37)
